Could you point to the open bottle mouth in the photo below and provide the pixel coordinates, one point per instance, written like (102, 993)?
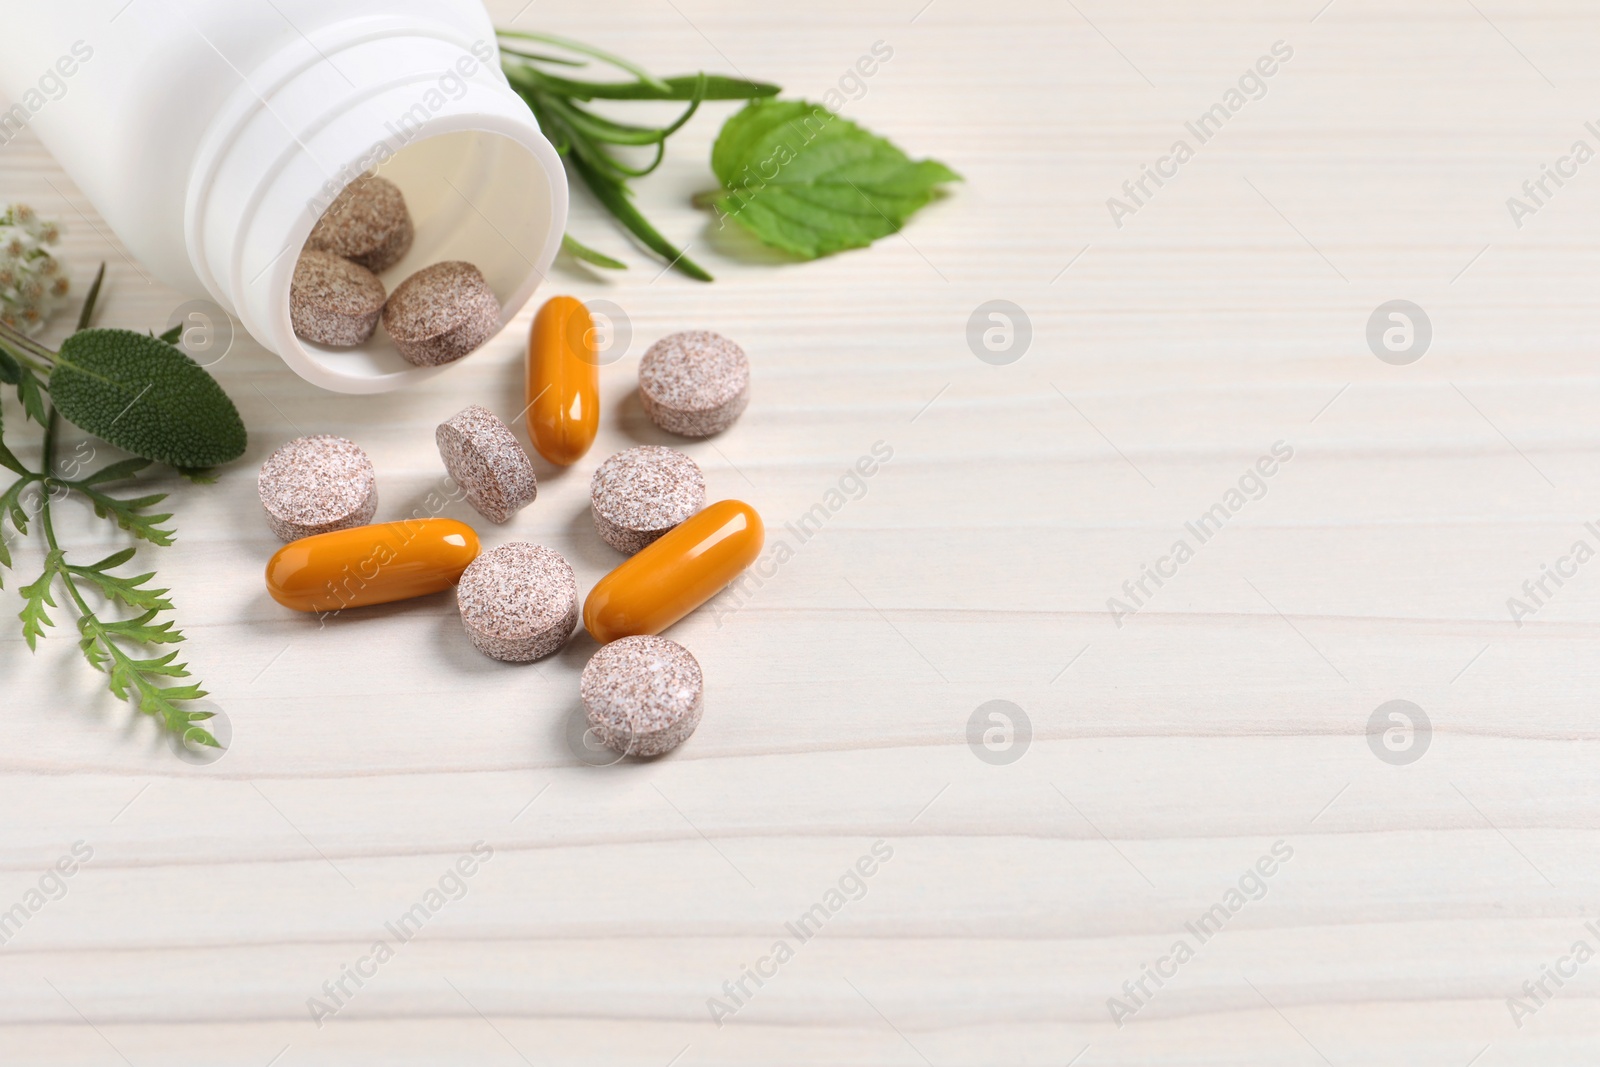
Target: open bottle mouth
(474, 196)
(427, 112)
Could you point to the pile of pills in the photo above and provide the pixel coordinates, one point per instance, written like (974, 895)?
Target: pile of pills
(643, 694)
(437, 315)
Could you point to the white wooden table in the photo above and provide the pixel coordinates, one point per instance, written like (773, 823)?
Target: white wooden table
(1168, 754)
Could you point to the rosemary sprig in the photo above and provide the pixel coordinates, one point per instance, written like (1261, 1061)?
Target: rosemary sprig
(125, 649)
(588, 140)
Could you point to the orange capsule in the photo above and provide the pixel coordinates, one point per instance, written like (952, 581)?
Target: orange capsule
(563, 381)
(371, 564)
(676, 573)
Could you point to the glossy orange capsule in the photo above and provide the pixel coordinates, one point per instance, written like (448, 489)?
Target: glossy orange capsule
(676, 573)
(371, 564)
(563, 381)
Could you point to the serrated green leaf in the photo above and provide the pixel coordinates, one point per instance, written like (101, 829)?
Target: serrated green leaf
(802, 179)
(31, 393)
(129, 591)
(129, 515)
(142, 628)
(11, 505)
(89, 644)
(10, 369)
(146, 397)
(164, 666)
(36, 597)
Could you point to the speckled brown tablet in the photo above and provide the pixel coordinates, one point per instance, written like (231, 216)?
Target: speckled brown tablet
(488, 462)
(367, 224)
(638, 495)
(315, 485)
(441, 313)
(333, 301)
(643, 695)
(519, 602)
(694, 384)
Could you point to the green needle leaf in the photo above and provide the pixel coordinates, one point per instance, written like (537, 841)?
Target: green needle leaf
(802, 179)
(681, 87)
(588, 50)
(614, 195)
(560, 61)
(578, 250)
(146, 397)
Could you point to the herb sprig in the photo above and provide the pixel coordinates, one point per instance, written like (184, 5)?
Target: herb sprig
(589, 141)
(171, 410)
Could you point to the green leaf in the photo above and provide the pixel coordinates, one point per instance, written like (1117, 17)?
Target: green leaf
(10, 369)
(116, 559)
(578, 250)
(600, 128)
(128, 590)
(141, 628)
(31, 394)
(129, 514)
(587, 50)
(172, 336)
(146, 397)
(9, 460)
(36, 597)
(614, 195)
(11, 504)
(559, 61)
(802, 179)
(115, 472)
(86, 313)
(682, 87)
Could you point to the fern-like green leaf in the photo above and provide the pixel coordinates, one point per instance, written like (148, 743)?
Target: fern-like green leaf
(32, 395)
(36, 597)
(129, 591)
(143, 628)
(129, 514)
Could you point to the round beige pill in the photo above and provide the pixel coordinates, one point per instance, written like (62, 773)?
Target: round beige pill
(333, 301)
(643, 696)
(315, 485)
(485, 458)
(441, 313)
(367, 223)
(694, 384)
(519, 602)
(638, 495)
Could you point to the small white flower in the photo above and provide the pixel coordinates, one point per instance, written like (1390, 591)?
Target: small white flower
(33, 283)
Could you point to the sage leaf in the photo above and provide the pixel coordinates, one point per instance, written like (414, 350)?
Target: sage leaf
(802, 179)
(146, 397)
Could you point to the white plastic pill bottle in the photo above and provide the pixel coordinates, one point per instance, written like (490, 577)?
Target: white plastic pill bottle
(212, 134)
